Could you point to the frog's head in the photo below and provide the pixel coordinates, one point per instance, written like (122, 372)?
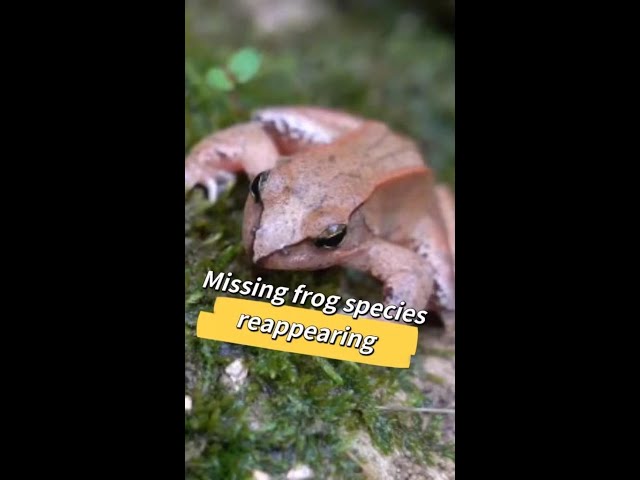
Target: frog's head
(299, 219)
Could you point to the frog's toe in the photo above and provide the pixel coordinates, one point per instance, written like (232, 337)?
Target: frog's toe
(224, 181)
(444, 297)
(405, 289)
(215, 186)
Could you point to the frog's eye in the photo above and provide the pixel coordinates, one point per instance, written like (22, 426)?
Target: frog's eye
(257, 184)
(332, 236)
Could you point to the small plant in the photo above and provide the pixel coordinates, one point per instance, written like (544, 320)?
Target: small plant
(240, 68)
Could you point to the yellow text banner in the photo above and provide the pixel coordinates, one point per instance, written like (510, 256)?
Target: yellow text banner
(309, 332)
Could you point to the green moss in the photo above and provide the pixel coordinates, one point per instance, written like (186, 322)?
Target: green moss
(435, 379)
(297, 408)
(440, 352)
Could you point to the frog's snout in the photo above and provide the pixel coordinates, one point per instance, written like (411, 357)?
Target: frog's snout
(267, 261)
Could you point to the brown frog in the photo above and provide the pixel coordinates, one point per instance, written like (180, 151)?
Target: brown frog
(330, 188)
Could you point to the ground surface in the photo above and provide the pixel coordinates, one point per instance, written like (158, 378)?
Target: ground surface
(256, 412)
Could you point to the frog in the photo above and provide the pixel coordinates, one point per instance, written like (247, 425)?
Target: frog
(331, 188)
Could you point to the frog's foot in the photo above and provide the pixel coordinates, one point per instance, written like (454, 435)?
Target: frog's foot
(408, 290)
(214, 162)
(295, 128)
(212, 185)
(406, 277)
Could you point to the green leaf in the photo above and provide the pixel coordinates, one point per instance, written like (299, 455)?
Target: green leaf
(244, 64)
(217, 78)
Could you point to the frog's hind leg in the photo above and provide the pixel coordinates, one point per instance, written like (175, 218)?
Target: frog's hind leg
(212, 164)
(446, 202)
(295, 128)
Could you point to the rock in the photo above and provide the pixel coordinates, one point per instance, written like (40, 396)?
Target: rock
(275, 16)
(235, 375)
(259, 475)
(301, 472)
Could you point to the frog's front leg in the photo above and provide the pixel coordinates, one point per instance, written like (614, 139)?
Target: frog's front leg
(213, 162)
(405, 275)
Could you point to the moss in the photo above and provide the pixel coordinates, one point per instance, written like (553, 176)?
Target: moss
(438, 380)
(297, 408)
(440, 352)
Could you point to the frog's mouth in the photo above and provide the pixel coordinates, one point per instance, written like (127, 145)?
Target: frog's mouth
(303, 256)
(274, 261)
(286, 258)
(296, 257)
